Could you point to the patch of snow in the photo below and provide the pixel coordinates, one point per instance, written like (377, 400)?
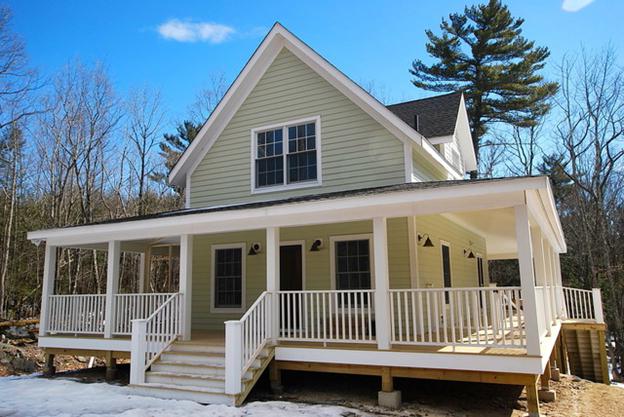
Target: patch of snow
(31, 396)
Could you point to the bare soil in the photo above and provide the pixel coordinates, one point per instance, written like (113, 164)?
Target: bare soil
(575, 397)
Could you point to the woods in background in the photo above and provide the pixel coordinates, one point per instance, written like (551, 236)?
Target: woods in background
(74, 151)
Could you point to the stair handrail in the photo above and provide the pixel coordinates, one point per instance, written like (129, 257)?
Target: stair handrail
(151, 336)
(245, 339)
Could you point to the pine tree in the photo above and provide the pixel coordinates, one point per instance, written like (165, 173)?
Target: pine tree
(173, 146)
(483, 53)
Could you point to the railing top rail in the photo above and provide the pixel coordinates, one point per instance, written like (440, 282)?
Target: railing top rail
(324, 291)
(437, 289)
(253, 306)
(162, 306)
(76, 295)
(576, 289)
(143, 294)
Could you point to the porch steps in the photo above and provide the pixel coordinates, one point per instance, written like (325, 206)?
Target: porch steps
(196, 371)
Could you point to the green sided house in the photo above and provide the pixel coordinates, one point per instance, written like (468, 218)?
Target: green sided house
(324, 231)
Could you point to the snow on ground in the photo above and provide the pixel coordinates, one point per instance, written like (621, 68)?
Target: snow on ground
(31, 396)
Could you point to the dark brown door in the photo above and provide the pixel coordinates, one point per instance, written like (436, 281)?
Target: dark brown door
(291, 268)
(291, 274)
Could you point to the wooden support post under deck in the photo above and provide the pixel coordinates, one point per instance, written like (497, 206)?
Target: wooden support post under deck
(545, 378)
(382, 285)
(532, 399)
(387, 384)
(275, 378)
(112, 286)
(47, 288)
(49, 369)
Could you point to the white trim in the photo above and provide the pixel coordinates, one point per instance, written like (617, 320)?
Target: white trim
(438, 140)
(408, 162)
(187, 191)
(284, 126)
(302, 244)
(465, 140)
(90, 343)
(255, 68)
(412, 245)
(455, 361)
(332, 255)
(227, 310)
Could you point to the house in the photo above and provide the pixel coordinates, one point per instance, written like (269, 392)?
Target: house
(324, 231)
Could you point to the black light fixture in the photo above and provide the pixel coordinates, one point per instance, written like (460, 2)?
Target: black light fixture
(316, 245)
(427, 241)
(254, 249)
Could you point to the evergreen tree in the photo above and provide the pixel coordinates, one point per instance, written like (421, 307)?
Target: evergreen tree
(482, 52)
(173, 146)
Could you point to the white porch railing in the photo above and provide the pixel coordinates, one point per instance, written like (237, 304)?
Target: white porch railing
(245, 339)
(130, 307)
(82, 314)
(458, 316)
(583, 304)
(151, 336)
(327, 316)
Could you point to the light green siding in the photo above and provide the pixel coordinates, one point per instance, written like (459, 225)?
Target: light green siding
(423, 170)
(463, 270)
(357, 152)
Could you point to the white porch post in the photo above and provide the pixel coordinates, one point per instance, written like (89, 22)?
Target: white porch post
(541, 275)
(527, 280)
(273, 276)
(550, 279)
(112, 286)
(47, 288)
(186, 284)
(145, 265)
(382, 284)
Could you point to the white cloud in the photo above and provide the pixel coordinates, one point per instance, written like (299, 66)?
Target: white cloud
(575, 5)
(188, 31)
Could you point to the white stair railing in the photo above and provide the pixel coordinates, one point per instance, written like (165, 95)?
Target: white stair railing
(583, 304)
(489, 317)
(151, 336)
(245, 339)
(346, 316)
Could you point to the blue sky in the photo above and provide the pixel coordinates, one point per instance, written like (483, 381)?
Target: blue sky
(369, 41)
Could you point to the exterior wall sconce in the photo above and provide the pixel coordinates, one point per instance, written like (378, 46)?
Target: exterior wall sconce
(255, 249)
(316, 245)
(468, 253)
(425, 241)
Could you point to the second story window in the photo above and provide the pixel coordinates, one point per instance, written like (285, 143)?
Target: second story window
(286, 156)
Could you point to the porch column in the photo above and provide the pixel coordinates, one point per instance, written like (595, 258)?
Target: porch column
(273, 276)
(382, 285)
(550, 279)
(541, 275)
(527, 280)
(47, 288)
(186, 284)
(112, 286)
(145, 265)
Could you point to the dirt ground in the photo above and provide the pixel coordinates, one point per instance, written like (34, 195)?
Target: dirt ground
(575, 397)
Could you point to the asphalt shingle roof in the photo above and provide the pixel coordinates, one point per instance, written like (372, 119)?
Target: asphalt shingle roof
(436, 115)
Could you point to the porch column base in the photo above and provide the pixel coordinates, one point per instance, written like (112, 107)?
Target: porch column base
(49, 369)
(547, 395)
(391, 399)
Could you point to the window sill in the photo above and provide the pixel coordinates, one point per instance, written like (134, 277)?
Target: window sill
(287, 187)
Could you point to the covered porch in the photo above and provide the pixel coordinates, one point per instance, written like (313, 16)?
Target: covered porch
(414, 317)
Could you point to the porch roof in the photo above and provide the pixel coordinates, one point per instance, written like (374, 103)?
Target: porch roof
(410, 199)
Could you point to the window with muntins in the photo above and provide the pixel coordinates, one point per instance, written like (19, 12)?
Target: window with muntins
(353, 271)
(286, 155)
(228, 277)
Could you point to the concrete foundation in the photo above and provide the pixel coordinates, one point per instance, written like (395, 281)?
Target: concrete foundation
(391, 399)
(555, 375)
(546, 396)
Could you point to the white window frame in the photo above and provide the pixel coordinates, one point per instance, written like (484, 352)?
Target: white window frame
(284, 126)
(332, 255)
(213, 296)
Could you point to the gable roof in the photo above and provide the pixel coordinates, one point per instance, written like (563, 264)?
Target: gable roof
(278, 38)
(437, 116)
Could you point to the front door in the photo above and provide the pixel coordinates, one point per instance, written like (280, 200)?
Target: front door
(291, 279)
